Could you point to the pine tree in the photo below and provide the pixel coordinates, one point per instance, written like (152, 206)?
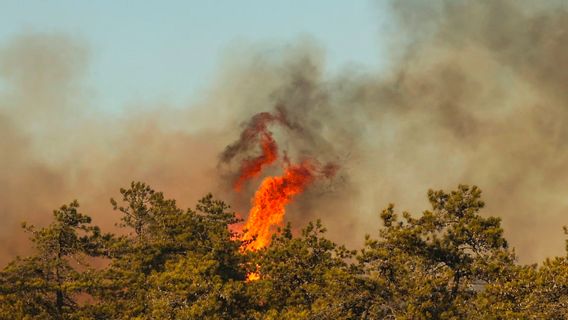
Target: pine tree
(44, 285)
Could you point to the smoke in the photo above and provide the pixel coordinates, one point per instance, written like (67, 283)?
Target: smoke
(57, 147)
(474, 92)
(255, 133)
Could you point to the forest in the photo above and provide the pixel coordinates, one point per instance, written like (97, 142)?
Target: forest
(449, 262)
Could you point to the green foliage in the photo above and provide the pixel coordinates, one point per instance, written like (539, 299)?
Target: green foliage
(430, 266)
(45, 285)
(449, 262)
(147, 276)
(298, 274)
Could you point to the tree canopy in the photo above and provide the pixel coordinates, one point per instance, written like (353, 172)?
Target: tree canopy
(448, 262)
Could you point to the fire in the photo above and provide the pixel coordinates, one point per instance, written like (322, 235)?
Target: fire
(252, 167)
(270, 200)
(253, 276)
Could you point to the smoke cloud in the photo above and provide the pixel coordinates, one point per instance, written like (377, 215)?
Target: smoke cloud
(474, 92)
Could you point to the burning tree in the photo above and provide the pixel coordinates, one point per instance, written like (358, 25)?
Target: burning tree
(274, 193)
(169, 263)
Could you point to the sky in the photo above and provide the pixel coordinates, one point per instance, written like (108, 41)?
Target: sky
(147, 52)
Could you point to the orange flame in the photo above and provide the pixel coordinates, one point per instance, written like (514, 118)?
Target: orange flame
(252, 167)
(270, 200)
(268, 204)
(253, 276)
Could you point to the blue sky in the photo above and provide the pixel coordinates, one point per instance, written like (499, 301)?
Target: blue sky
(169, 51)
